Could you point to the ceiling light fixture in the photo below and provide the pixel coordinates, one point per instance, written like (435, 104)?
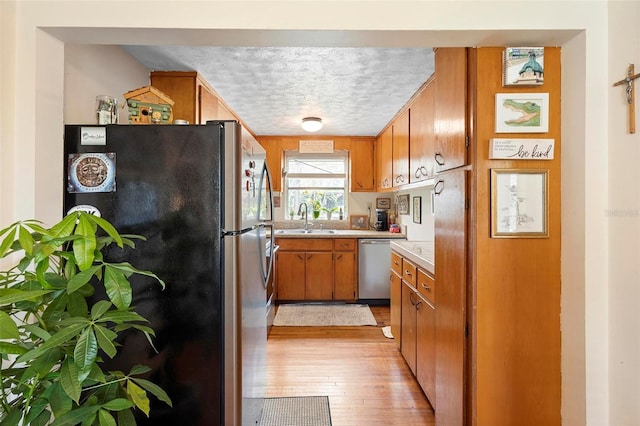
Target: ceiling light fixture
(311, 124)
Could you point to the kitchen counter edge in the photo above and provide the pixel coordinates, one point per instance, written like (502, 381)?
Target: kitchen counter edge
(419, 252)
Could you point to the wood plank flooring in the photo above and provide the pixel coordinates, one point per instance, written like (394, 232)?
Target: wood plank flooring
(361, 371)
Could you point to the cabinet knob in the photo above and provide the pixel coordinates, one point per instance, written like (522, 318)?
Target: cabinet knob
(407, 272)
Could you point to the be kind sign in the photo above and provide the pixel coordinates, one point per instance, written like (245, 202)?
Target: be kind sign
(521, 149)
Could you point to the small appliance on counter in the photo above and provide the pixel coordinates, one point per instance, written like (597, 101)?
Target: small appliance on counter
(394, 229)
(382, 220)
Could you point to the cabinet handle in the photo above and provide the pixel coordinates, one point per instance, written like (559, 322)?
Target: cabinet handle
(418, 305)
(300, 258)
(391, 278)
(395, 262)
(438, 187)
(407, 272)
(439, 159)
(309, 257)
(426, 287)
(339, 257)
(385, 182)
(399, 179)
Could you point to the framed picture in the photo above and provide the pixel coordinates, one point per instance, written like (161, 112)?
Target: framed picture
(519, 203)
(403, 204)
(359, 221)
(383, 203)
(417, 209)
(522, 112)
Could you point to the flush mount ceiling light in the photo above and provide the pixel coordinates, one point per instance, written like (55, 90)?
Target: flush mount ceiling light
(311, 124)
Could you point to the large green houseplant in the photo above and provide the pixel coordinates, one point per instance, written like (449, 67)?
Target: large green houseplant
(53, 339)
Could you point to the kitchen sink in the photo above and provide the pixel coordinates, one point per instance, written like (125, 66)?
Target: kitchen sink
(305, 231)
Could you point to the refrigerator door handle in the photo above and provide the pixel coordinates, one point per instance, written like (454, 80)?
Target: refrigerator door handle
(238, 232)
(265, 182)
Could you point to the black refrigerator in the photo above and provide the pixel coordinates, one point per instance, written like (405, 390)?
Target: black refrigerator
(201, 195)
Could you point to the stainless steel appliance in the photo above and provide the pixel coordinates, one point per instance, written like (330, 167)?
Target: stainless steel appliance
(373, 270)
(382, 220)
(201, 196)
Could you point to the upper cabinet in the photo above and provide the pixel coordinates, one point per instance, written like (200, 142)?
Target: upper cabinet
(384, 152)
(400, 167)
(194, 100)
(421, 135)
(450, 114)
(362, 165)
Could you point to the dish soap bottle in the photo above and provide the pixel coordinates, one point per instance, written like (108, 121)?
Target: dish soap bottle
(340, 214)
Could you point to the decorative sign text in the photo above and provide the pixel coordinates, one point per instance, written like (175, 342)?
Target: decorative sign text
(521, 149)
(315, 147)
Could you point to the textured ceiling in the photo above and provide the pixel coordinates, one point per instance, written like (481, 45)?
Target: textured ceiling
(356, 91)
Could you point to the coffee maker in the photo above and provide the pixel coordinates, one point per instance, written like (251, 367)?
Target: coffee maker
(382, 220)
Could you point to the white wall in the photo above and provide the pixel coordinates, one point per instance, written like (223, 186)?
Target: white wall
(92, 70)
(31, 84)
(623, 219)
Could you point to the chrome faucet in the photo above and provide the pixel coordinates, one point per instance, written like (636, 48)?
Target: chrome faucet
(306, 215)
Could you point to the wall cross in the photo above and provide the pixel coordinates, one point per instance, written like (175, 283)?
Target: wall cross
(630, 96)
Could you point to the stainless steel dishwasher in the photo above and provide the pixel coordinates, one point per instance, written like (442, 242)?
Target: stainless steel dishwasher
(373, 270)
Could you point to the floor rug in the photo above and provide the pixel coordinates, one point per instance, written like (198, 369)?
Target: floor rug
(299, 315)
(296, 411)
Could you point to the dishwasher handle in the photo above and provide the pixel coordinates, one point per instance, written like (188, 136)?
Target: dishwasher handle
(376, 241)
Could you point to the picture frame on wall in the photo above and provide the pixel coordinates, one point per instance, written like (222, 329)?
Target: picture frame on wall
(522, 113)
(403, 204)
(359, 221)
(417, 209)
(519, 203)
(383, 203)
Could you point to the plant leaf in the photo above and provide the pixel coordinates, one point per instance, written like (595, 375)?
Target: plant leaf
(105, 418)
(156, 390)
(83, 248)
(118, 287)
(9, 296)
(109, 229)
(7, 241)
(81, 278)
(139, 369)
(56, 339)
(76, 416)
(122, 316)
(105, 337)
(117, 404)
(37, 408)
(59, 400)
(26, 240)
(42, 365)
(13, 418)
(138, 396)
(125, 418)
(8, 328)
(99, 308)
(69, 380)
(128, 269)
(64, 228)
(86, 350)
(11, 349)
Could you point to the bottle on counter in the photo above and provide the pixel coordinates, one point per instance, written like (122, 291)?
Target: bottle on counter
(340, 214)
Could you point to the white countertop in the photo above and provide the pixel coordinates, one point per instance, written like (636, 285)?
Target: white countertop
(419, 252)
(337, 233)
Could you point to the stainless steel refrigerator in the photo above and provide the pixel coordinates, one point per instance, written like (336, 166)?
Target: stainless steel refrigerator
(201, 196)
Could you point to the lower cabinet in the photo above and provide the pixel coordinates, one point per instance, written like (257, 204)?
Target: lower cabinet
(413, 313)
(316, 269)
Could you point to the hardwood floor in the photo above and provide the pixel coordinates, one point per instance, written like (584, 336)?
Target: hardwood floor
(361, 371)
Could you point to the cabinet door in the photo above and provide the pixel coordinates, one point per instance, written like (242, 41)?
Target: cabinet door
(450, 271)
(208, 105)
(450, 124)
(344, 264)
(362, 166)
(181, 88)
(426, 349)
(408, 345)
(273, 147)
(384, 158)
(396, 307)
(421, 136)
(291, 272)
(401, 150)
(319, 276)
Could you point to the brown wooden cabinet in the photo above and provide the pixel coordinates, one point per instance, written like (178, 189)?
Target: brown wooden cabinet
(409, 332)
(316, 269)
(384, 145)
(400, 168)
(396, 307)
(345, 281)
(450, 124)
(426, 349)
(361, 154)
(451, 317)
(194, 100)
(421, 135)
